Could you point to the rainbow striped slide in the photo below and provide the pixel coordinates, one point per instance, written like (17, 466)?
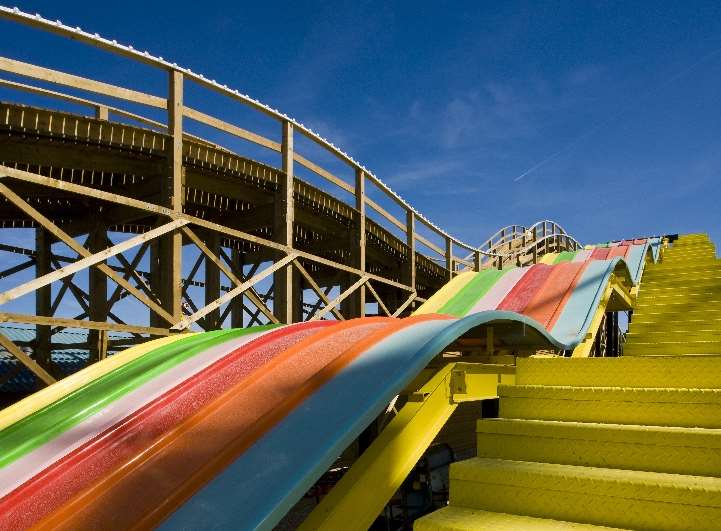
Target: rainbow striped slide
(230, 428)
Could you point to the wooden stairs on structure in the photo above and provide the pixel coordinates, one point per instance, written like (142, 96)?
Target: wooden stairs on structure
(631, 442)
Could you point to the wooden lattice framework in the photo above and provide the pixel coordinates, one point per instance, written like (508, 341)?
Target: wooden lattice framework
(69, 176)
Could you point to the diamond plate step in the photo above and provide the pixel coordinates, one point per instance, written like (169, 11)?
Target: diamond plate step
(613, 405)
(600, 496)
(700, 372)
(465, 519)
(669, 348)
(652, 448)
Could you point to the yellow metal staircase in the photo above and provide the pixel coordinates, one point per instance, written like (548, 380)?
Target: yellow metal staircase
(679, 304)
(631, 442)
(620, 442)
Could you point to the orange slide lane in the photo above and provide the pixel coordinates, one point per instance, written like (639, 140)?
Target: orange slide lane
(543, 306)
(246, 439)
(219, 431)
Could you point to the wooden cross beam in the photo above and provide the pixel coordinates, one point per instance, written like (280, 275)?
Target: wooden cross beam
(403, 306)
(88, 261)
(187, 321)
(340, 298)
(82, 251)
(378, 298)
(26, 360)
(317, 289)
(210, 255)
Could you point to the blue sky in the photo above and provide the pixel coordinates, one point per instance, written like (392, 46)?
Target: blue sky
(453, 103)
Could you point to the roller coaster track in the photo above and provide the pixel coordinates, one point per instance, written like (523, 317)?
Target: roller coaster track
(166, 192)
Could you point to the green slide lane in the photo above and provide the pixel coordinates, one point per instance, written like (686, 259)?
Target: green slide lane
(464, 300)
(42, 426)
(565, 256)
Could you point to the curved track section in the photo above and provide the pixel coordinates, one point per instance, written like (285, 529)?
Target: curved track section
(230, 428)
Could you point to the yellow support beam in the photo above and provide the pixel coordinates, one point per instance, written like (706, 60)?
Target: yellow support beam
(365, 489)
(616, 297)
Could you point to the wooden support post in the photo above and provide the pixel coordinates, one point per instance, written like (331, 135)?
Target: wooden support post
(101, 112)
(171, 246)
(283, 228)
(297, 295)
(26, 360)
(155, 280)
(535, 245)
(449, 257)
(236, 312)
(477, 261)
(411, 243)
(357, 301)
(43, 304)
(489, 341)
(97, 293)
(212, 282)
(101, 338)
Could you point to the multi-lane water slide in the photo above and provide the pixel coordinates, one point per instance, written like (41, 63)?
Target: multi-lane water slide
(230, 428)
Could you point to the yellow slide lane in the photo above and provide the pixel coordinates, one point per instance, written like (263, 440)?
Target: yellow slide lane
(443, 295)
(56, 391)
(548, 258)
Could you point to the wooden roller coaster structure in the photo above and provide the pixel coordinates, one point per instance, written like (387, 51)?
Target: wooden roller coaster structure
(143, 192)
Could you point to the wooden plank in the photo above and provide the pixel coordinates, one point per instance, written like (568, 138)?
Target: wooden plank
(97, 290)
(82, 251)
(130, 270)
(212, 278)
(17, 268)
(187, 321)
(9, 317)
(412, 297)
(43, 297)
(150, 207)
(26, 360)
(411, 242)
(232, 129)
(317, 289)
(387, 215)
(255, 299)
(283, 228)
(450, 266)
(236, 305)
(101, 112)
(94, 104)
(429, 244)
(377, 298)
(171, 247)
(323, 173)
(82, 83)
(340, 298)
(91, 260)
(359, 247)
(253, 296)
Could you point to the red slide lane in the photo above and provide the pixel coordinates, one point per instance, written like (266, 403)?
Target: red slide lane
(543, 305)
(619, 250)
(522, 293)
(569, 291)
(47, 491)
(145, 482)
(275, 416)
(600, 253)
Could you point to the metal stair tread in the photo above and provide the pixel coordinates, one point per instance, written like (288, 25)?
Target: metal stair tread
(702, 371)
(619, 483)
(611, 394)
(601, 432)
(456, 518)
